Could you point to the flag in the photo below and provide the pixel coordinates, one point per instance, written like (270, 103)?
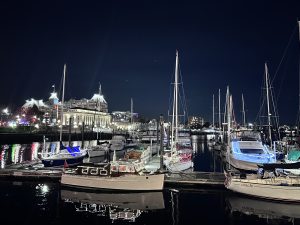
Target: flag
(66, 164)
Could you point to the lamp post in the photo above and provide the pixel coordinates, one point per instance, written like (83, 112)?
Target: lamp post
(4, 112)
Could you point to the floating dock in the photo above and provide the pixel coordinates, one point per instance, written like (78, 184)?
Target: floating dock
(180, 179)
(195, 178)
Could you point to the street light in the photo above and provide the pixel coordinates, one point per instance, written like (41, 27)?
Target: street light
(5, 111)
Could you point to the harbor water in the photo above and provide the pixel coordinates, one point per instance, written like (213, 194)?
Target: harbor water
(44, 202)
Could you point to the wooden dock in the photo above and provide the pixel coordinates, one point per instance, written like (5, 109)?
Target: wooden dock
(203, 179)
(182, 179)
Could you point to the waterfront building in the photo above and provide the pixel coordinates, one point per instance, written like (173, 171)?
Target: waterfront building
(196, 122)
(125, 121)
(92, 112)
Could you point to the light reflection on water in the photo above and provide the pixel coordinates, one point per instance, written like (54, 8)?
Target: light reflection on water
(204, 159)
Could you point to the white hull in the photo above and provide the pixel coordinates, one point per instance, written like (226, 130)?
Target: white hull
(179, 166)
(117, 147)
(277, 188)
(293, 171)
(96, 153)
(240, 164)
(125, 182)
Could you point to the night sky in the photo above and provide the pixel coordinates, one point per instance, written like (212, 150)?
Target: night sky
(129, 47)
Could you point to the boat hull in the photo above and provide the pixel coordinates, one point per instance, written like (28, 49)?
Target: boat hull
(96, 153)
(270, 188)
(61, 161)
(179, 166)
(242, 165)
(126, 182)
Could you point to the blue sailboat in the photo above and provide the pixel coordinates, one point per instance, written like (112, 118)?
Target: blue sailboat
(67, 155)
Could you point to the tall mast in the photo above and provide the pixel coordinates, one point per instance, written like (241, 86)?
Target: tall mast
(131, 110)
(100, 93)
(268, 103)
(62, 103)
(175, 108)
(298, 119)
(243, 111)
(213, 111)
(219, 109)
(228, 116)
(176, 99)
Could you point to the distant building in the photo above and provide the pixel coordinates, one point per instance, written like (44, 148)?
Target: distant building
(196, 122)
(39, 103)
(91, 118)
(92, 111)
(122, 120)
(96, 103)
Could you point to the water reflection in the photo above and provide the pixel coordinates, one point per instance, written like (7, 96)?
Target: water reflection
(249, 209)
(29, 202)
(205, 158)
(115, 206)
(21, 153)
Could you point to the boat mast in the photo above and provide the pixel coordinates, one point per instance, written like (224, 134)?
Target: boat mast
(219, 109)
(176, 99)
(175, 108)
(243, 111)
(62, 105)
(268, 103)
(213, 125)
(131, 110)
(298, 119)
(99, 105)
(228, 116)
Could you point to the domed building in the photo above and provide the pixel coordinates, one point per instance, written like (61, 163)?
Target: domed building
(92, 112)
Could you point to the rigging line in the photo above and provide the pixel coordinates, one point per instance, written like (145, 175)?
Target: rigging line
(185, 109)
(284, 53)
(262, 100)
(276, 114)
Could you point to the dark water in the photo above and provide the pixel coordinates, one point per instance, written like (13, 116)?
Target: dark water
(48, 203)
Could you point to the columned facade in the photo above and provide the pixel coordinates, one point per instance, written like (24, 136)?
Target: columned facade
(89, 117)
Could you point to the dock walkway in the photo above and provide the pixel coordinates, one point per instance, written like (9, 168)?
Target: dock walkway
(181, 179)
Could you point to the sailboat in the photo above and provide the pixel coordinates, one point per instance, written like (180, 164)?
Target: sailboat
(178, 157)
(270, 182)
(67, 155)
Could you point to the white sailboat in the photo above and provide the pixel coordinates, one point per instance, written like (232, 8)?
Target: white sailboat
(111, 176)
(178, 157)
(269, 185)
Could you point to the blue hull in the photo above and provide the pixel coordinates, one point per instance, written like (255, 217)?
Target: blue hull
(61, 162)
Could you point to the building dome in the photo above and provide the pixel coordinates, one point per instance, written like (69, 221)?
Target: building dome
(98, 98)
(30, 103)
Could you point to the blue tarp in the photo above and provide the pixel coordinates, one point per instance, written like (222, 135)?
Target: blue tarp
(73, 150)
